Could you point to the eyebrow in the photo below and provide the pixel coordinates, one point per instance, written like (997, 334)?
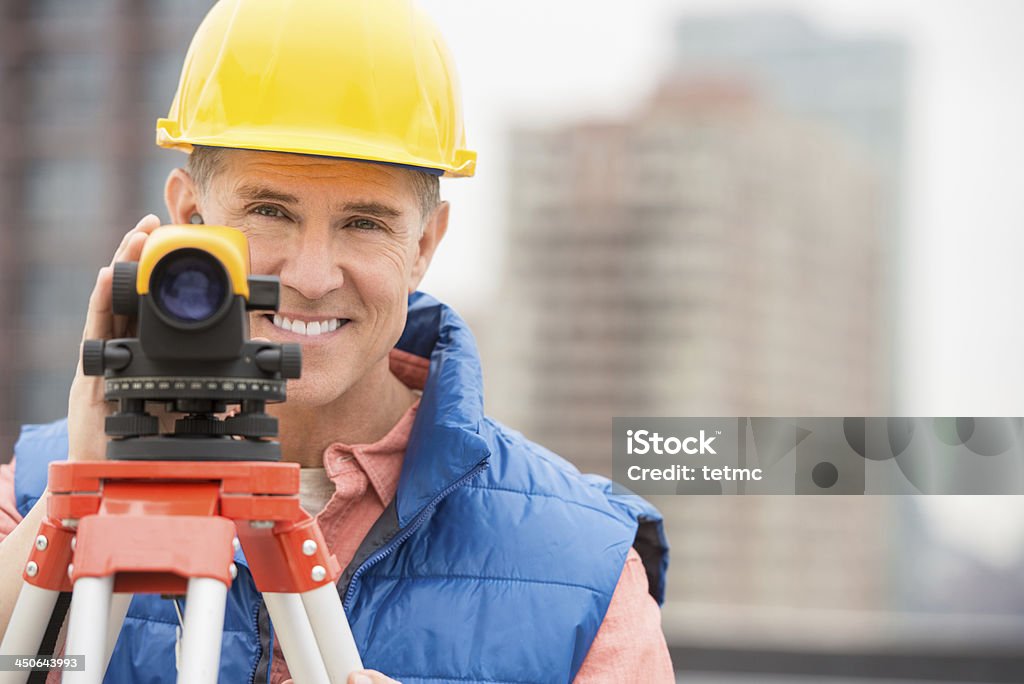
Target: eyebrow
(259, 192)
(369, 207)
(378, 209)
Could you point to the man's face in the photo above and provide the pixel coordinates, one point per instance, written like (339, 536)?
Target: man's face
(344, 237)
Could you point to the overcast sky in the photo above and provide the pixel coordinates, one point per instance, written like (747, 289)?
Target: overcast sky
(533, 61)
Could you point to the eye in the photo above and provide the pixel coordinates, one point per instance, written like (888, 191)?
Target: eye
(268, 210)
(364, 224)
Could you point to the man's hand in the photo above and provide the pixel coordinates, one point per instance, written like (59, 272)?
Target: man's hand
(364, 677)
(369, 677)
(86, 406)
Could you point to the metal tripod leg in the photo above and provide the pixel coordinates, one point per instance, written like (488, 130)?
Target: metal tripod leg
(332, 632)
(203, 630)
(315, 635)
(87, 627)
(299, 645)
(27, 626)
(118, 609)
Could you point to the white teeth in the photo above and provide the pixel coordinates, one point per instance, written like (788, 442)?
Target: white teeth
(306, 328)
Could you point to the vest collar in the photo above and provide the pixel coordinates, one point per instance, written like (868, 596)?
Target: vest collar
(445, 443)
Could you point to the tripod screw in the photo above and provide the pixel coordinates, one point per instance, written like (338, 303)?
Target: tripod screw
(318, 573)
(257, 425)
(31, 569)
(131, 425)
(42, 542)
(309, 547)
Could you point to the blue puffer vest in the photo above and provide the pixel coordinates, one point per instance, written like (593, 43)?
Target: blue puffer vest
(495, 562)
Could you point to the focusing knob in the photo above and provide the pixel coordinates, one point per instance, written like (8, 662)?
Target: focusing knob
(286, 360)
(252, 425)
(125, 295)
(131, 425)
(92, 357)
(291, 360)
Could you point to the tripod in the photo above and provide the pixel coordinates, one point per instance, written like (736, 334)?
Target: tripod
(115, 528)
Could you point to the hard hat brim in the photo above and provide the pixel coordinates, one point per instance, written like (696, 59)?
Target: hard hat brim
(297, 142)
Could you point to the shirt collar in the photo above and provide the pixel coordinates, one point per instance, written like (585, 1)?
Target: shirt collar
(381, 461)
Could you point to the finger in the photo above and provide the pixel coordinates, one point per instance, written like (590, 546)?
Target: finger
(105, 322)
(98, 318)
(369, 677)
(147, 224)
(133, 250)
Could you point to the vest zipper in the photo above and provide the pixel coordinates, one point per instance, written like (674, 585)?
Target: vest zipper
(259, 641)
(407, 532)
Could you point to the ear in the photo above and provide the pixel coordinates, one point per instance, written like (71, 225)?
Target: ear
(433, 231)
(181, 197)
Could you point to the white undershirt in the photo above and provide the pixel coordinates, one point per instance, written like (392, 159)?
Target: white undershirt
(315, 489)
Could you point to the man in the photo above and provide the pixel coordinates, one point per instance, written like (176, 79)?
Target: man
(319, 129)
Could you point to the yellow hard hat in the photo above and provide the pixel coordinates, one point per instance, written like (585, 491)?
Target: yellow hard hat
(360, 79)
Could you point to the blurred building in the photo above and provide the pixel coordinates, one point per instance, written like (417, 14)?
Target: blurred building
(83, 84)
(711, 256)
(721, 252)
(857, 85)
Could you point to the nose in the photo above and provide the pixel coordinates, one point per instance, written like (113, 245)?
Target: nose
(310, 267)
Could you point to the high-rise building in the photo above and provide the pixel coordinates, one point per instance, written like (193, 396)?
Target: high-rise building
(721, 252)
(711, 256)
(856, 85)
(83, 84)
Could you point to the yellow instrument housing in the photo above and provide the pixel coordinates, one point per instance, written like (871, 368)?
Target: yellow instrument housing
(227, 245)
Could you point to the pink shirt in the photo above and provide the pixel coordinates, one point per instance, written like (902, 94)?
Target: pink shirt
(629, 646)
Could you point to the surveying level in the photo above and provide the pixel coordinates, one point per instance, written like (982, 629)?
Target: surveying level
(165, 512)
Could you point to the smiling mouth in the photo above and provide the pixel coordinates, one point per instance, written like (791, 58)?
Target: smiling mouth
(307, 328)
